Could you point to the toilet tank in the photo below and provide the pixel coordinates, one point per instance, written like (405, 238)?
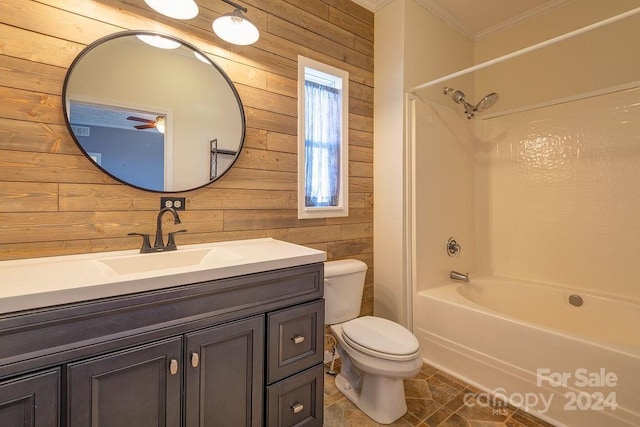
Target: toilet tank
(343, 286)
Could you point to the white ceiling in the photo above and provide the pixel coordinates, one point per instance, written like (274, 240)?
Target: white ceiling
(477, 19)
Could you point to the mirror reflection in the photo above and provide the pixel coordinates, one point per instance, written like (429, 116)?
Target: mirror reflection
(160, 118)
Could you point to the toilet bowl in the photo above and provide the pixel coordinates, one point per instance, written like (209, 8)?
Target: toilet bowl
(376, 353)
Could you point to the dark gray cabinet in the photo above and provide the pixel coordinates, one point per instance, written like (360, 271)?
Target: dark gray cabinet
(297, 401)
(217, 353)
(141, 386)
(224, 375)
(135, 387)
(295, 338)
(31, 400)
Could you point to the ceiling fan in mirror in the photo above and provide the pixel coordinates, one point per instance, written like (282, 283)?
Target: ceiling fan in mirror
(158, 123)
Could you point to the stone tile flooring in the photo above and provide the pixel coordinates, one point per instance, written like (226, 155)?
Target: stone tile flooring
(434, 398)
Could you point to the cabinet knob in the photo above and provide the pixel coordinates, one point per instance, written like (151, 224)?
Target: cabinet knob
(297, 339)
(297, 407)
(195, 359)
(173, 366)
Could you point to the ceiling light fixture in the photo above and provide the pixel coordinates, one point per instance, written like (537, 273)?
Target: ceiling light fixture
(160, 124)
(234, 27)
(177, 9)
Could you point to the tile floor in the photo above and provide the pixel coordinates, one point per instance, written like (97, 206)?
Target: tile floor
(434, 398)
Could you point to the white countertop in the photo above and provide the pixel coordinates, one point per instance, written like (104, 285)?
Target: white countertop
(42, 282)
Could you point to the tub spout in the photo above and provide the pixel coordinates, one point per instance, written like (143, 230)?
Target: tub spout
(463, 277)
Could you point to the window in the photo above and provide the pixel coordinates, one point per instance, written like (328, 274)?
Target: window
(323, 148)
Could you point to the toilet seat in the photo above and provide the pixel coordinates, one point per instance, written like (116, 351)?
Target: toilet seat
(381, 338)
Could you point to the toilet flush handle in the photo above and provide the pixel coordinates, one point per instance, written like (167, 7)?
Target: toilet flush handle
(297, 339)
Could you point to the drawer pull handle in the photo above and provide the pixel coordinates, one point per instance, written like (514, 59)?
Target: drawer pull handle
(297, 407)
(297, 339)
(195, 359)
(173, 366)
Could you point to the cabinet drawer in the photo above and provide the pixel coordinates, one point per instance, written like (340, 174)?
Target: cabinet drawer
(297, 401)
(295, 337)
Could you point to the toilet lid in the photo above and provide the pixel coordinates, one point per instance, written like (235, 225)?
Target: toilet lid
(380, 337)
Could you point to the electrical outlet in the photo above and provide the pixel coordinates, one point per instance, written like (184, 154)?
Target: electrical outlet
(177, 203)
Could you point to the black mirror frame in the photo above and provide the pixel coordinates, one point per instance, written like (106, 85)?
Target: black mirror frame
(101, 40)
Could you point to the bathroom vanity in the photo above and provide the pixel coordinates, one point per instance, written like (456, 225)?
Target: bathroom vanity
(243, 348)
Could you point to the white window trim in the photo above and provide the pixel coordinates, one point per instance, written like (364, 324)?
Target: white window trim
(305, 212)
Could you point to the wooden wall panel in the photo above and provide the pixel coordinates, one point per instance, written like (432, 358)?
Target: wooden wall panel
(29, 196)
(257, 179)
(21, 74)
(267, 100)
(41, 167)
(269, 160)
(55, 202)
(18, 135)
(22, 104)
(282, 142)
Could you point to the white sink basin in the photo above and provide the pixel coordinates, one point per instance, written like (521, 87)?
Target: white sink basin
(141, 263)
(219, 256)
(40, 282)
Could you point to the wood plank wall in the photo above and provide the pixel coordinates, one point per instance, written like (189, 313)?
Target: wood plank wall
(53, 201)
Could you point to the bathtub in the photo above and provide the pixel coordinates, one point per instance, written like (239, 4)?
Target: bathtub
(524, 342)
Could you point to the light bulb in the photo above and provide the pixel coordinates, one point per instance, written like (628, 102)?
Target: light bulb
(160, 124)
(177, 9)
(235, 28)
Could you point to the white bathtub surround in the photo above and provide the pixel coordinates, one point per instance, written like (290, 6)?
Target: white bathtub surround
(524, 341)
(555, 200)
(543, 187)
(564, 194)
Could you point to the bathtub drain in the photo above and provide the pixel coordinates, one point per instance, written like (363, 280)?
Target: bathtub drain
(576, 300)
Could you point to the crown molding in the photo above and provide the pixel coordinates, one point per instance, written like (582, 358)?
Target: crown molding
(540, 10)
(441, 12)
(437, 9)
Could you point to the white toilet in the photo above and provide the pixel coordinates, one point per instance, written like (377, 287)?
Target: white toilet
(377, 354)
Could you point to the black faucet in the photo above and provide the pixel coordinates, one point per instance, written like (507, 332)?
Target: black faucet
(159, 245)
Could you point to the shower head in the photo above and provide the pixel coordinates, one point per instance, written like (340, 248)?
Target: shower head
(487, 102)
(470, 110)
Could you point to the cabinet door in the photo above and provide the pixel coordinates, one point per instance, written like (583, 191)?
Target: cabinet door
(31, 401)
(224, 375)
(135, 387)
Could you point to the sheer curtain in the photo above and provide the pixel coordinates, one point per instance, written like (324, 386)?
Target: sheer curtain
(322, 145)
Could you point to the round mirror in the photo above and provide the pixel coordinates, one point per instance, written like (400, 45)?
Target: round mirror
(154, 112)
